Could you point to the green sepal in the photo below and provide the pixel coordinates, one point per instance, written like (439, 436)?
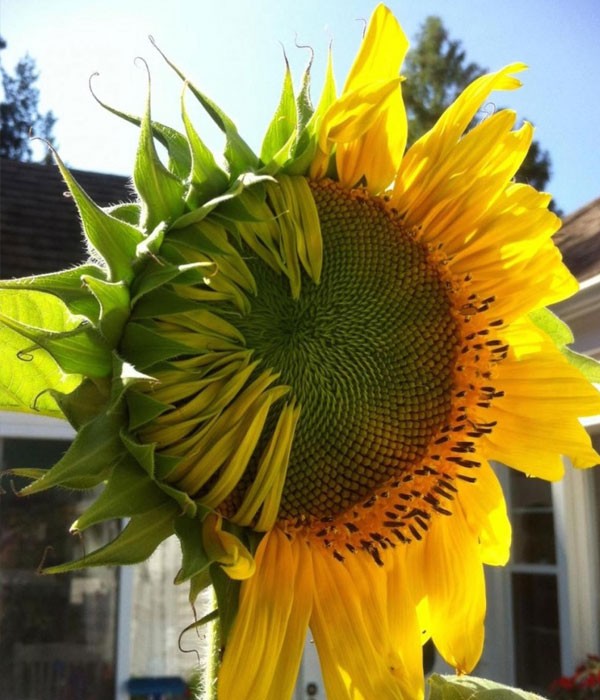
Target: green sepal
(198, 583)
(245, 180)
(207, 179)
(161, 302)
(157, 467)
(306, 145)
(228, 596)
(561, 335)
(30, 473)
(304, 106)
(129, 491)
(142, 408)
(239, 155)
(65, 285)
(161, 192)
(85, 402)
(227, 269)
(205, 619)
(112, 238)
(144, 348)
(194, 559)
(281, 132)
(113, 298)
(150, 246)
(134, 544)
(180, 161)
(89, 460)
(187, 505)
(164, 465)
(157, 273)
(470, 688)
(129, 212)
(143, 453)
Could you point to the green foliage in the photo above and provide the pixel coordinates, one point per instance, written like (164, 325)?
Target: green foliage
(436, 72)
(20, 117)
(469, 688)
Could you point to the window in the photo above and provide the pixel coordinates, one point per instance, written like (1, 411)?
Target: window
(534, 583)
(57, 633)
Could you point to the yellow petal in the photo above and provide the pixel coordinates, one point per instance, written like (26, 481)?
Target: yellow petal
(366, 651)
(368, 121)
(265, 646)
(226, 548)
(484, 508)
(456, 590)
(531, 432)
(423, 159)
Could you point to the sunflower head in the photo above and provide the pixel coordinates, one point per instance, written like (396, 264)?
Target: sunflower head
(308, 357)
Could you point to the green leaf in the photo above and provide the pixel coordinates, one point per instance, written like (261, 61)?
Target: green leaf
(281, 132)
(551, 324)
(162, 193)
(588, 366)
(129, 491)
(239, 155)
(26, 381)
(113, 298)
(470, 688)
(81, 351)
(90, 458)
(112, 238)
(194, 558)
(136, 542)
(67, 286)
(561, 336)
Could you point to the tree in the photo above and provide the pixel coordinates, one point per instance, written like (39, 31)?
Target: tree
(19, 113)
(436, 72)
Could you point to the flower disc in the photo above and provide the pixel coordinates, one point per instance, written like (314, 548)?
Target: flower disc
(368, 352)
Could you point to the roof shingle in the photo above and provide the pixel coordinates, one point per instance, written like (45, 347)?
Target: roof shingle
(40, 230)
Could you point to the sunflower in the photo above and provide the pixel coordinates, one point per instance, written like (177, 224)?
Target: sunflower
(302, 362)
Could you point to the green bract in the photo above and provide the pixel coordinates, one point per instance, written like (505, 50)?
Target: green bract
(87, 343)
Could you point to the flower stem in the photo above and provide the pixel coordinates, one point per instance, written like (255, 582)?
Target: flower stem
(214, 658)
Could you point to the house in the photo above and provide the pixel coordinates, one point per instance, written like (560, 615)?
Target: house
(96, 628)
(544, 607)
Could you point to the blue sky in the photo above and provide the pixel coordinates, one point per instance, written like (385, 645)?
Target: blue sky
(232, 50)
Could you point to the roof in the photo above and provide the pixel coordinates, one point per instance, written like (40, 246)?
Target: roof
(40, 230)
(579, 241)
